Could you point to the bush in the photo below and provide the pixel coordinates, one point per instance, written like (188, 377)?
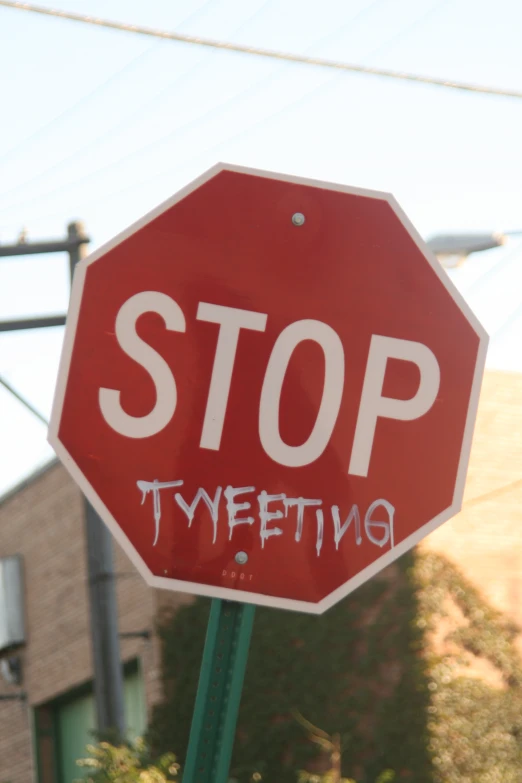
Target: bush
(356, 670)
(415, 671)
(130, 763)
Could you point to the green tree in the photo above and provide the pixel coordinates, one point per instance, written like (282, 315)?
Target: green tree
(356, 670)
(128, 763)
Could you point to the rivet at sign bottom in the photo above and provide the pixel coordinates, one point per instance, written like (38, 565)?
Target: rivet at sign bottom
(241, 558)
(298, 219)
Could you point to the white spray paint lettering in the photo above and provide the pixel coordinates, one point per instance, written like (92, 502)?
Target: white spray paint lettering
(266, 516)
(378, 524)
(233, 508)
(385, 527)
(301, 504)
(154, 486)
(212, 505)
(340, 530)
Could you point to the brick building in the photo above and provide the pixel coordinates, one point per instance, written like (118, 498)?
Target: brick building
(40, 737)
(485, 539)
(41, 520)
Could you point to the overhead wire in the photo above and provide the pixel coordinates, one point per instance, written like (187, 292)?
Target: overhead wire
(167, 172)
(122, 124)
(357, 16)
(71, 109)
(281, 56)
(168, 138)
(262, 52)
(206, 116)
(515, 316)
(23, 400)
(406, 30)
(241, 134)
(216, 111)
(501, 266)
(504, 262)
(93, 93)
(212, 112)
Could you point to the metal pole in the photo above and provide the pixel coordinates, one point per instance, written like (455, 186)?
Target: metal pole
(32, 323)
(108, 676)
(219, 692)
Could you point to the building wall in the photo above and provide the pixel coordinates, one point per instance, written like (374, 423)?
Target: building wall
(485, 539)
(43, 520)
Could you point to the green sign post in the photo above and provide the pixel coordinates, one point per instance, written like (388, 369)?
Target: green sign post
(219, 692)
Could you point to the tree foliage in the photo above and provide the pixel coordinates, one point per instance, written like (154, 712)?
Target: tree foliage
(475, 680)
(127, 763)
(356, 670)
(415, 672)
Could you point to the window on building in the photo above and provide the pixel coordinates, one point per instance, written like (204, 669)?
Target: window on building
(65, 726)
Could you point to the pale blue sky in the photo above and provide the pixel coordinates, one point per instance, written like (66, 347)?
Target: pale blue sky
(102, 126)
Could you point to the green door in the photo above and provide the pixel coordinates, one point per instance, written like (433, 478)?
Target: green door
(76, 721)
(135, 711)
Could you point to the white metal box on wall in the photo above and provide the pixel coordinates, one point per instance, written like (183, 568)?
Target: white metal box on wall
(12, 621)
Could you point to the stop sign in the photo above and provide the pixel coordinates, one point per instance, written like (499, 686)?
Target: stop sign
(268, 389)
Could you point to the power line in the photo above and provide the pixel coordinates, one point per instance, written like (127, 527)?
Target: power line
(165, 139)
(501, 265)
(121, 123)
(515, 316)
(390, 42)
(93, 93)
(261, 52)
(24, 402)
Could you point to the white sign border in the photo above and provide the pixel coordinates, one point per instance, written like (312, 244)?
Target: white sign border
(226, 593)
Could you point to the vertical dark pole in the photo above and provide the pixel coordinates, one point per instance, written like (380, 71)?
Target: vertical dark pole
(108, 677)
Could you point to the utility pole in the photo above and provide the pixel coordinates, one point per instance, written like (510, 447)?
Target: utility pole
(108, 678)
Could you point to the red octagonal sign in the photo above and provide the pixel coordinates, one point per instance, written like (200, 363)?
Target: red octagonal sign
(268, 389)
